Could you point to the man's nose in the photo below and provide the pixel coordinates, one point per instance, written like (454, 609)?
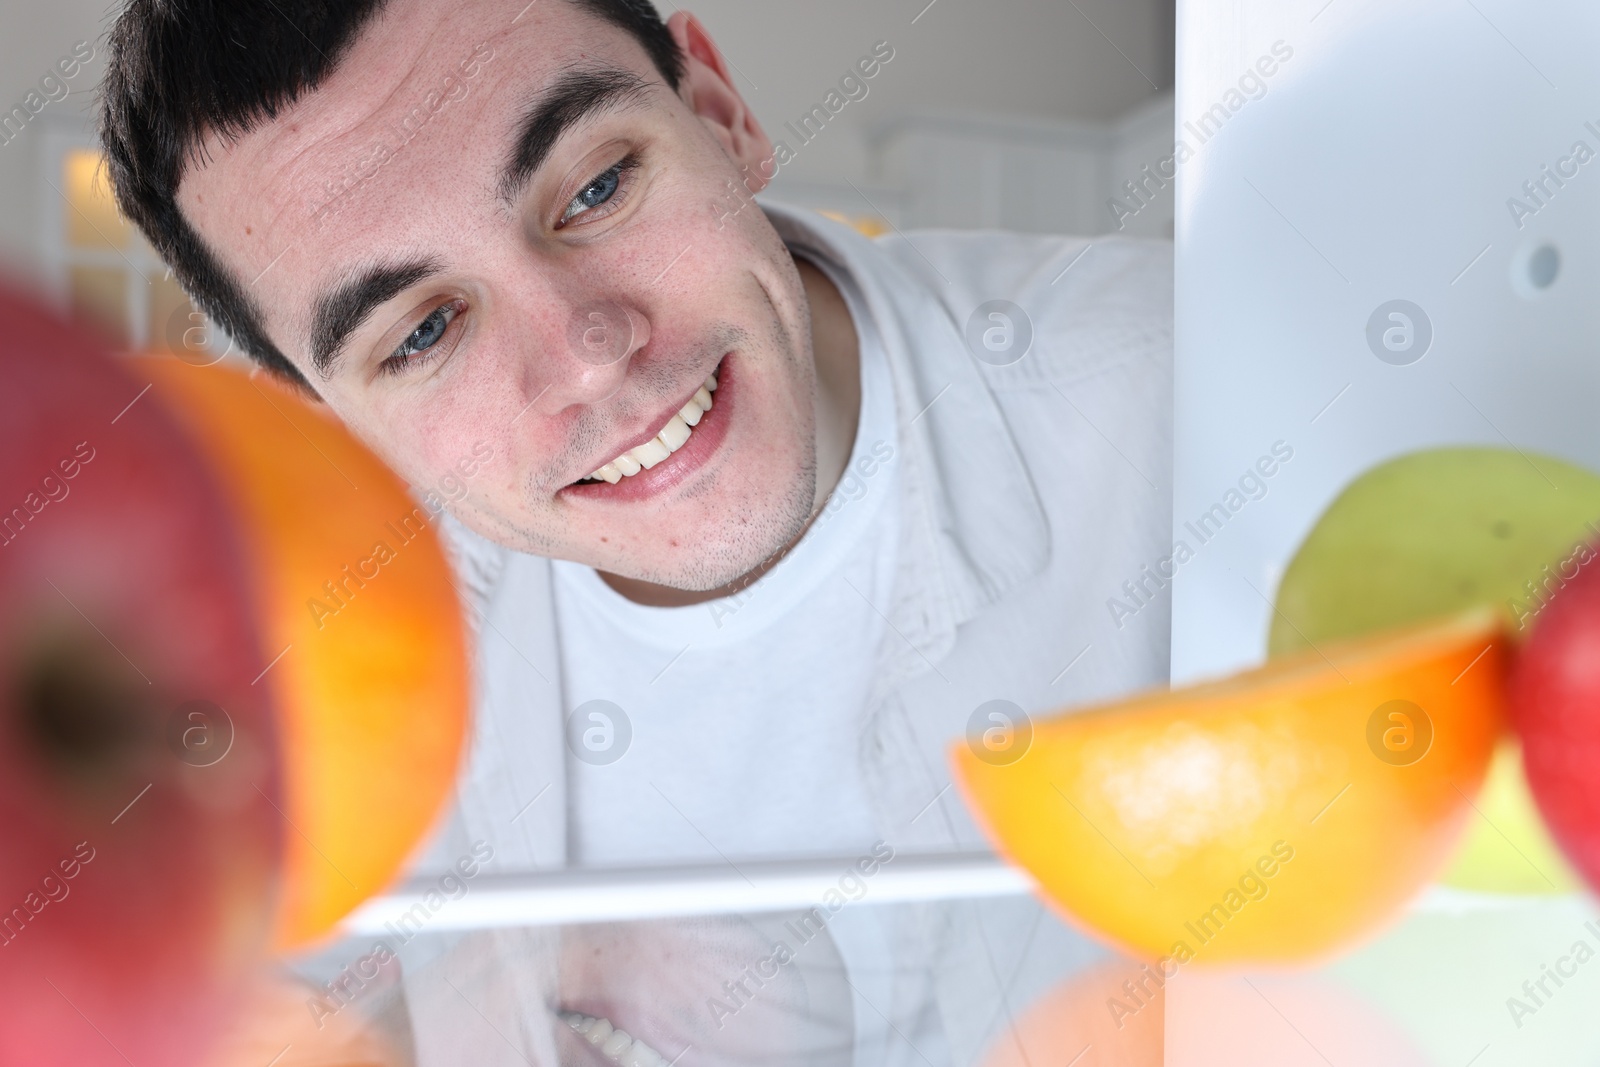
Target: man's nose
(588, 360)
(589, 363)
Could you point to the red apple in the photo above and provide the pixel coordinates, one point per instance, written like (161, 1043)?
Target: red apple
(138, 780)
(1555, 707)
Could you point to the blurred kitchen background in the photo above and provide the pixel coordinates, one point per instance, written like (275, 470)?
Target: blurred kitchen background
(1012, 114)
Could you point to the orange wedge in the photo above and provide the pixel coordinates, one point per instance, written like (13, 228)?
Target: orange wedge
(1268, 817)
(358, 607)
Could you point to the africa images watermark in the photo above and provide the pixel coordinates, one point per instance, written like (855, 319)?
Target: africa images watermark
(1543, 590)
(852, 886)
(1144, 588)
(1153, 177)
(1252, 886)
(53, 888)
(52, 490)
(339, 591)
(343, 989)
(1530, 1002)
(52, 88)
(852, 88)
(1544, 186)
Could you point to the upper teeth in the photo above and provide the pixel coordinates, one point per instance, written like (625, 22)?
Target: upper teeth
(673, 436)
(616, 1045)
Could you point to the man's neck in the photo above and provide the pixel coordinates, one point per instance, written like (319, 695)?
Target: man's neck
(836, 353)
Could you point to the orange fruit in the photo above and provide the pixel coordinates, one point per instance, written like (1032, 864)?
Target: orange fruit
(1270, 816)
(362, 623)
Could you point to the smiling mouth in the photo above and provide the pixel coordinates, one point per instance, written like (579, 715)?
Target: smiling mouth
(671, 437)
(618, 1046)
(685, 444)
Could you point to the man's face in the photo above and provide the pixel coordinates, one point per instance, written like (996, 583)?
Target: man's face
(496, 242)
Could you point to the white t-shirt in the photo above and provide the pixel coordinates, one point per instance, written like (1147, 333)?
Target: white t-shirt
(760, 692)
(745, 713)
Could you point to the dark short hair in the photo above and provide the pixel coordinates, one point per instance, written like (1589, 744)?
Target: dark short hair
(181, 70)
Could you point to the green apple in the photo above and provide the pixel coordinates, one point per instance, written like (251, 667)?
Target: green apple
(1431, 533)
(1434, 532)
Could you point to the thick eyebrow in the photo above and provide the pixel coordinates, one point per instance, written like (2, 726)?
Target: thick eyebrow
(573, 97)
(340, 313)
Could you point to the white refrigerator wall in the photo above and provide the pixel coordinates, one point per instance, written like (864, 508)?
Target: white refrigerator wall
(1088, 62)
(1437, 152)
(983, 173)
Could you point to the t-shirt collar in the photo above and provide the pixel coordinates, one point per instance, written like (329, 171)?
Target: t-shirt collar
(973, 525)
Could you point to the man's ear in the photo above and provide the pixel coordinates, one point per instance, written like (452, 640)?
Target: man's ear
(709, 91)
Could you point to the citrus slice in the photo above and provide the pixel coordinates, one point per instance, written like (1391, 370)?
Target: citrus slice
(1434, 532)
(363, 626)
(1270, 816)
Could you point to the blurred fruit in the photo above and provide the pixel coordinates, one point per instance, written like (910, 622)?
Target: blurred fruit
(363, 625)
(1555, 705)
(1112, 1015)
(1269, 816)
(1216, 1020)
(138, 836)
(1506, 848)
(1428, 534)
(273, 1027)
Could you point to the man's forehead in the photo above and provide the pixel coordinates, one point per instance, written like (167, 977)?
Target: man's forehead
(308, 189)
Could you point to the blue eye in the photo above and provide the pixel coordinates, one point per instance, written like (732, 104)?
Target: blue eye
(428, 335)
(425, 336)
(599, 191)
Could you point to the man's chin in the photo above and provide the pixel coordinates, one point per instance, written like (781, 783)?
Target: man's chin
(689, 582)
(715, 567)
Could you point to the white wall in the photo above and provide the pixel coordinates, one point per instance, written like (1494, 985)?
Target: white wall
(1382, 165)
(1039, 66)
(1054, 177)
(1002, 59)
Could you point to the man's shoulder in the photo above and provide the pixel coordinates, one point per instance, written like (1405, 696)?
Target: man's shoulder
(1085, 303)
